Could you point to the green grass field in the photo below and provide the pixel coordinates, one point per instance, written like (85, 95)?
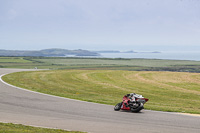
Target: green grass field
(117, 62)
(167, 91)
(18, 128)
(13, 60)
(100, 64)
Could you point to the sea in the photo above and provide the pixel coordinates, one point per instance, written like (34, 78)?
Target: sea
(171, 55)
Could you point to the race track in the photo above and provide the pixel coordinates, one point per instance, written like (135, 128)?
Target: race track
(29, 108)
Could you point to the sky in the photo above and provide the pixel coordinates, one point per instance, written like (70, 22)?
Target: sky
(100, 24)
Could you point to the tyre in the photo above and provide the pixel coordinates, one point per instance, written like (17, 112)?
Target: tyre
(118, 107)
(138, 109)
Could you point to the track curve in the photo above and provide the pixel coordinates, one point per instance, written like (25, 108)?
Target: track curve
(26, 107)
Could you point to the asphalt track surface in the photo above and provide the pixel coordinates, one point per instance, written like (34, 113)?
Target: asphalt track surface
(29, 108)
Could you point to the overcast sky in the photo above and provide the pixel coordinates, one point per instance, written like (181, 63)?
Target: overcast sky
(100, 24)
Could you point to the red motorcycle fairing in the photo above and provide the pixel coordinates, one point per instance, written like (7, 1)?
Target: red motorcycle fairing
(125, 103)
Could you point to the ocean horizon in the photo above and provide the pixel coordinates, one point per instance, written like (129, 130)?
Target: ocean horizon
(170, 55)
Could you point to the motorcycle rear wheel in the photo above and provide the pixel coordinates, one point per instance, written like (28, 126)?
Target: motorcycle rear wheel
(138, 109)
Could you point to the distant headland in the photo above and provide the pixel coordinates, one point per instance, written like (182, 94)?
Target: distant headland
(48, 52)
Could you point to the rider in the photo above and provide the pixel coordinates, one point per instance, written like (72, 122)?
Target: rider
(131, 96)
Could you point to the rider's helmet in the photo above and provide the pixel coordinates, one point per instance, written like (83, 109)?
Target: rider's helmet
(132, 94)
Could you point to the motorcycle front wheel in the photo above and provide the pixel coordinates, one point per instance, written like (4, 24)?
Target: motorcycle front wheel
(118, 107)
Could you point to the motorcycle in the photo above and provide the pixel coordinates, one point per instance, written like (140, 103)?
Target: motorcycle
(133, 102)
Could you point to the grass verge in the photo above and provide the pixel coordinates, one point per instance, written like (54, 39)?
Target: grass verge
(18, 128)
(167, 91)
